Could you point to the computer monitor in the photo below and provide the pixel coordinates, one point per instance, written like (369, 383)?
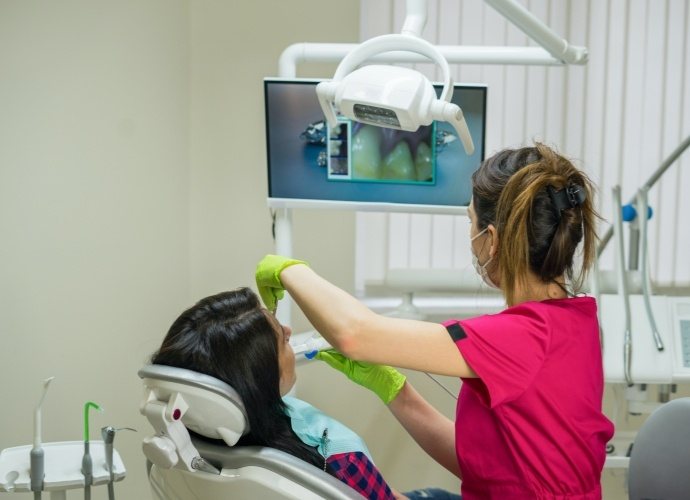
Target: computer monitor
(362, 167)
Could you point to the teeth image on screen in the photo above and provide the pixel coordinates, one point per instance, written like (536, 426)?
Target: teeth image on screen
(422, 162)
(398, 164)
(366, 153)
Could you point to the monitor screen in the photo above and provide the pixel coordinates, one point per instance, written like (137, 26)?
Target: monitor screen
(363, 167)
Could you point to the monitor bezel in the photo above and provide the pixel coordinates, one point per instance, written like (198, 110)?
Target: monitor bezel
(362, 206)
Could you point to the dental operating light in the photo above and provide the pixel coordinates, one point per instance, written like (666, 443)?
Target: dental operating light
(391, 96)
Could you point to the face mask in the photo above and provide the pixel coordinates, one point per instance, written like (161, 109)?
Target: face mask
(481, 268)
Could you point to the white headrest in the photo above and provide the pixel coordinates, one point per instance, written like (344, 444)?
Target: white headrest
(215, 409)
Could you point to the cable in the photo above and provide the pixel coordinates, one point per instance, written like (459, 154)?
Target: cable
(441, 385)
(642, 209)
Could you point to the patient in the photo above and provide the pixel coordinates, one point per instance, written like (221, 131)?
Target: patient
(231, 337)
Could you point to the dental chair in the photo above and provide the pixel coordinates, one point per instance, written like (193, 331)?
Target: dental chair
(660, 458)
(206, 464)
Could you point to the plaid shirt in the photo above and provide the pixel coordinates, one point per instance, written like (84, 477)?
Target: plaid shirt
(360, 474)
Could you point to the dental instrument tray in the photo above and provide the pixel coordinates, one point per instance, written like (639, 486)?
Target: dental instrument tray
(62, 466)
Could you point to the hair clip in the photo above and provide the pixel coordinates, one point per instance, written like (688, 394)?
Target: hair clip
(576, 195)
(570, 197)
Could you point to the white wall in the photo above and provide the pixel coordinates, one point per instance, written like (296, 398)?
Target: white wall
(132, 183)
(94, 198)
(233, 48)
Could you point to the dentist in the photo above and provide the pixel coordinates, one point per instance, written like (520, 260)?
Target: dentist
(529, 421)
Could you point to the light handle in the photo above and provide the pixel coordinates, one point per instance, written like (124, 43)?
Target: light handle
(393, 43)
(451, 113)
(325, 91)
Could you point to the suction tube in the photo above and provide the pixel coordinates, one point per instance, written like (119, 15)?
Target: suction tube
(86, 462)
(37, 458)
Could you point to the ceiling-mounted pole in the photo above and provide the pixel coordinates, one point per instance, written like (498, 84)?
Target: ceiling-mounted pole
(415, 19)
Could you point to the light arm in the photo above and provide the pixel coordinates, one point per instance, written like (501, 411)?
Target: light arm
(534, 28)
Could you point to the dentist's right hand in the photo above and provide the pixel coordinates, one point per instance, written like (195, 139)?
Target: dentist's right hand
(268, 278)
(384, 381)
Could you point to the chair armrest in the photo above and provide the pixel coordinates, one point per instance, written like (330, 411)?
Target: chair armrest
(279, 462)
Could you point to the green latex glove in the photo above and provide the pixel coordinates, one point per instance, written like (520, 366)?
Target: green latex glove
(384, 381)
(268, 278)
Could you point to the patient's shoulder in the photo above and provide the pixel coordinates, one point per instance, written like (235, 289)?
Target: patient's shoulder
(357, 471)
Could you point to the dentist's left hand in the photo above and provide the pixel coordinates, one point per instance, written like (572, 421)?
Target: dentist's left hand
(268, 278)
(384, 381)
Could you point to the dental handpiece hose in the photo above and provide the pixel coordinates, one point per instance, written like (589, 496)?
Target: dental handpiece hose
(87, 470)
(37, 471)
(108, 434)
(86, 461)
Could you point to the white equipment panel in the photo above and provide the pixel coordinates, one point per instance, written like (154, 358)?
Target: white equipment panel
(672, 315)
(681, 337)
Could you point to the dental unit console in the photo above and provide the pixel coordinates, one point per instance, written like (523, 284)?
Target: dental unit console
(645, 364)
(56, 467)
(654, 330)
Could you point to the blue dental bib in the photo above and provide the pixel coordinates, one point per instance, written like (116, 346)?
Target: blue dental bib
(309, 424)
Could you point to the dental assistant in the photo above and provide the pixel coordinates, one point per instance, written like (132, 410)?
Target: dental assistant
(529, 421)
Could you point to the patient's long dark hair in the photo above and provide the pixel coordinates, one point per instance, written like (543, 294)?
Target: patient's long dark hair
(230, 337)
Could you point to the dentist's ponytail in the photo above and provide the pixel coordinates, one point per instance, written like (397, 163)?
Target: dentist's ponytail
(542, 208)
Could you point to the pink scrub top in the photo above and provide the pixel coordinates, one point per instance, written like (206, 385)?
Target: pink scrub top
(531, 426)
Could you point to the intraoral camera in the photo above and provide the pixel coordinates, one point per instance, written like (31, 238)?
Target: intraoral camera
(391, 96)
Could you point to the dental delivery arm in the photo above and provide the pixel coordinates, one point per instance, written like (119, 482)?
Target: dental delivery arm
(431, 430)
(360, 334)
